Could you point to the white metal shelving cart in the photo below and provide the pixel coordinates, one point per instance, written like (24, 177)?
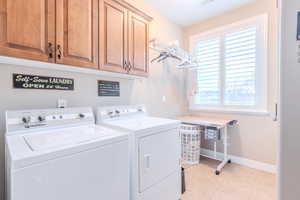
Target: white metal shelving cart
(220, 124)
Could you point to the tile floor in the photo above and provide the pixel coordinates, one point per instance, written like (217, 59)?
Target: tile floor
(236, 182)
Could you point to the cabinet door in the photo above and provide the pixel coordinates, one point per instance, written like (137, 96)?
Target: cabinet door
(77, 32)
(27, 29)
(138, 45)
(113, 36)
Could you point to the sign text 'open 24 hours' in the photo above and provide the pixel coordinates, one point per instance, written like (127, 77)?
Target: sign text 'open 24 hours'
(24, 81)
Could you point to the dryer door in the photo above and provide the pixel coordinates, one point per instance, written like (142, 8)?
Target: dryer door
(159, 157)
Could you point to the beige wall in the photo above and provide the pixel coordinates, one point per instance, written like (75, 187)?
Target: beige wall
(256, 136)
(164, 80)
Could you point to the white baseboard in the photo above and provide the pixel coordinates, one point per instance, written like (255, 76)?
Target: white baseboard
(242, 161)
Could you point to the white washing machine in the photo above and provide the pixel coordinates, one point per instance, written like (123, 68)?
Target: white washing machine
(60, 154)
(154, 151)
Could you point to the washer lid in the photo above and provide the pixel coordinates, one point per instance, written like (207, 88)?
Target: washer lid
(61, 138)
(28, 149)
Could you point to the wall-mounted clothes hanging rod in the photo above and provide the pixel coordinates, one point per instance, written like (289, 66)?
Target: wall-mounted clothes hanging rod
(182, 57)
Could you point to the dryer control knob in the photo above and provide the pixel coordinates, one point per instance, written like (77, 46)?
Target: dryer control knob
(81, 116)
(41, 118)
(26, 120)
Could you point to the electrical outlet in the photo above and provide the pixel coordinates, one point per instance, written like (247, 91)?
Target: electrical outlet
(164, 99)
(62, 103)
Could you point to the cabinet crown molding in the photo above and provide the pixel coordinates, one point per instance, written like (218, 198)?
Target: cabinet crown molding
(134, 9)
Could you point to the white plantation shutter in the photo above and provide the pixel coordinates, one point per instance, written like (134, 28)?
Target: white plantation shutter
(240, 65)
(231, 71)
(208, 72)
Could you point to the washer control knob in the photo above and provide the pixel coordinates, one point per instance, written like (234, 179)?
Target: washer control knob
(81, 116)
(41, 118)
(117, 112)
(26, 120)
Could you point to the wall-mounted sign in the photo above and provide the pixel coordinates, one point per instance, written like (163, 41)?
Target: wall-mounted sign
(298, 27)
(108, 88)
(24, 81)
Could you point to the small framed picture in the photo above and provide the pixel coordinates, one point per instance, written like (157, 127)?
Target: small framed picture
(108, 88)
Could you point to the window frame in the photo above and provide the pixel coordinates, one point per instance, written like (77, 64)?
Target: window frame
(261, 83)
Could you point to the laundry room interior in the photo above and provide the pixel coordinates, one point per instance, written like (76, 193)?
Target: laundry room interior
(148, 99)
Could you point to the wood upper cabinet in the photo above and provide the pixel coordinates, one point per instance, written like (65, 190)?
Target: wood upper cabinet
(138, 44)
(123, 38)
(27, 29)
(77, 32)
(108, 34)
(113, 36)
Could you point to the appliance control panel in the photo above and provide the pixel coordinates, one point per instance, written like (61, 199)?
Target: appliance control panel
(117, 112)
(28, 120)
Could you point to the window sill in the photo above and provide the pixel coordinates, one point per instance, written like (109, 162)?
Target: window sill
(232, 111)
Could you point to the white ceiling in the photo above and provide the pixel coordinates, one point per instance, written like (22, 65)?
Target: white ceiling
(187, 12)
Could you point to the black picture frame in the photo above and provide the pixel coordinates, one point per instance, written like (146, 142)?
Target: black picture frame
(29, 81)
(108, 88)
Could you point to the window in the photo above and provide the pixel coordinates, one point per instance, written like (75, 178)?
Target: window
(231, 71)
(240, 64)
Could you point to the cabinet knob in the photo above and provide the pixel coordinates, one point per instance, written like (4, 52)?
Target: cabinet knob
(125, 66)
(129, 67)
(50, 50)
(59, 54)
